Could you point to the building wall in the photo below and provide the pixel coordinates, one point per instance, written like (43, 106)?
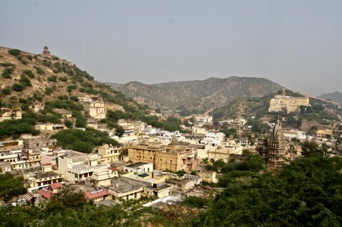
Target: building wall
(290, 104)
(162, 159)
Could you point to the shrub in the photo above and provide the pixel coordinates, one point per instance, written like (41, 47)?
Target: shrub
(29, 73)
(18, 87)
(38, 96)
(64, 78)
(52, 78)
(6, 91)
(48, 91)
(46, 63)
(68, 123)
(7, 73)
(25, 81)
(74, 98)
(14, 52)
(71, 87)
(39, 70)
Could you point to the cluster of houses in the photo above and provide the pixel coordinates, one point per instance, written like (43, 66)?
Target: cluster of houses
(150, 162)
(150, 166)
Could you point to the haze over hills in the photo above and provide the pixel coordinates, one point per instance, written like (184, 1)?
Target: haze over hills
(334, 97)
(197, 96)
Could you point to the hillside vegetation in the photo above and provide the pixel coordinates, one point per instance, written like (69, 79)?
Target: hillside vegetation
(26, 77)
(29, 78)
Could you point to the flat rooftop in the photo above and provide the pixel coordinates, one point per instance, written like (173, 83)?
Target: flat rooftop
(123, 187)
(137, 164)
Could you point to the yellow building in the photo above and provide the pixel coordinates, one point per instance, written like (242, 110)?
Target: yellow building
(164, 157)
(109, 153)
(287, 103)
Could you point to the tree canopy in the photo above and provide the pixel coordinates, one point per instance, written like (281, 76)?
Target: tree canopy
(83, 141)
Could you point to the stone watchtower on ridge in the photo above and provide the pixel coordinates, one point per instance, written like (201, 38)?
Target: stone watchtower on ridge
(276, 145)
(46, 52)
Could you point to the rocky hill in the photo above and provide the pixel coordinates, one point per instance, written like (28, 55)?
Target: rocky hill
(26, 75)
(334, 97)
(197, 96)
(28, 78)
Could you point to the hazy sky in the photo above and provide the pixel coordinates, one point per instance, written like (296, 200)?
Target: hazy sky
(296, 43)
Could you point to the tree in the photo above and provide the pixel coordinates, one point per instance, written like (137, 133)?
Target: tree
(14, 52)
(11, 186)
(311, 149)
(70, 197)
(119, 131)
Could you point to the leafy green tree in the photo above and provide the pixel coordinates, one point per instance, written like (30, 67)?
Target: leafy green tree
(119, 131)
(11, 186)
(70, 197)
(83, 141)
(68, 123)
(311, 149)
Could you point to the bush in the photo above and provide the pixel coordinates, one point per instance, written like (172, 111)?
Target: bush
(48, 91)
(46, 63)
(29, 73)
(6, 91)
(7, 73)
(52, 78)
(64, 78)
(39, 71)
(18, 87)
(68, 123)
(14, 52)
(71, 87)
(25, 81)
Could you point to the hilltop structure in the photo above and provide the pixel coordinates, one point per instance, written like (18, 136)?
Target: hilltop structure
(46, 52)
(287, 103)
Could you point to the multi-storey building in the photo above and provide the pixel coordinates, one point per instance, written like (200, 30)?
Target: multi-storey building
(109, 153)
(164, 157)
(76, 166)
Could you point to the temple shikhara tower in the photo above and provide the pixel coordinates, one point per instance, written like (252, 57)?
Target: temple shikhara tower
(276, 145)
(46, 52)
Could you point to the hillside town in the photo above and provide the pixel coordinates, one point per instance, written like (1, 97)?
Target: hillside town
(149, 161)
(93, 146)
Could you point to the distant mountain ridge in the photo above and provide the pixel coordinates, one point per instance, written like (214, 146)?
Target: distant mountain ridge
(335, 96)
(197, 95)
